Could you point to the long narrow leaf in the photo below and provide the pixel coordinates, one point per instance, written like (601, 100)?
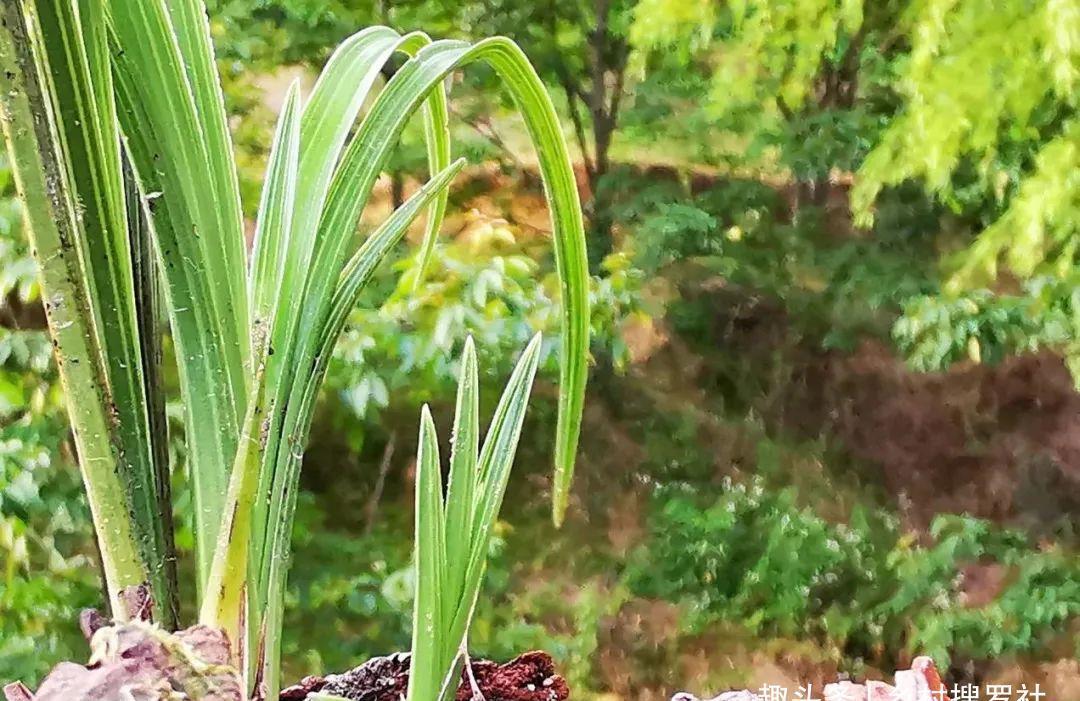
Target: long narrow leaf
(151, 320)
(437, 139)
(50, 209)
(274, 222)
(461, 490)
(444, 547)
(370, 149)
(426, 671)
(496, 459)
(74, 38)
(173, 124)
(191, 28)
(224, 597)
(330, 114)
(357, 273)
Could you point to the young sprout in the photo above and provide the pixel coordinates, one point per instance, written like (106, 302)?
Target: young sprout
(453, 532)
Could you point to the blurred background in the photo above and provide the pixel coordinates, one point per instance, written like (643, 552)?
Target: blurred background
(832, 420)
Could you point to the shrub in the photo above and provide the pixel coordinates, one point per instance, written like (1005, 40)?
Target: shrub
(756, 558)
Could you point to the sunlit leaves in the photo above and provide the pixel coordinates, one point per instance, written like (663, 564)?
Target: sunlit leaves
(934, 332)
(673, 24)
(986, 108)
(1041, 227)
(978, 77)
(770, 53)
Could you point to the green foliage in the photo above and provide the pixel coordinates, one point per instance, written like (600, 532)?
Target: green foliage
(357, 587)
(45, 545)
(68, 167)
(834, 289)
(485, 285)
(453, 532)
(771, 52)
(801, 80)
(815, 145)
(564, 618)
(977, 104)
(978, 77)
(18, 272)
(1041, 597)
(754, 557)
(676, 232)
(360, 587)
(935, 331)
(968, 113)
(972, 81)
(45, 537)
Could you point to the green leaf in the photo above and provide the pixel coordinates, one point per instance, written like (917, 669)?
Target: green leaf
(427, 668)
(274, 222)
(302, 342)
(75, 40)
(452, 538)
(353, 278)
(171, 113)
(43, 177)
(460, 496)
(328, 117)
(437, 138)
(252, 345)
(369, 151)
(496, 459)
(224, 597)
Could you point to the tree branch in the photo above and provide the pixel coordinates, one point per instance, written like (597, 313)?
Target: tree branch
(573, 94)
(489, 133)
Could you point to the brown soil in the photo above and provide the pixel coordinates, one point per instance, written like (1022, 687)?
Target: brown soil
(528, 677)
(1000, 442)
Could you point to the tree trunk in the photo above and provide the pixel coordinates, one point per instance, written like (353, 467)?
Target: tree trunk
(601, 218)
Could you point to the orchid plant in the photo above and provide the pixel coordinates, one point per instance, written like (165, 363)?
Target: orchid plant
(113, 115)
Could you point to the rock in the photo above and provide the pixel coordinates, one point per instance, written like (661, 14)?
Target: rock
(16, 691)
(138, 661)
